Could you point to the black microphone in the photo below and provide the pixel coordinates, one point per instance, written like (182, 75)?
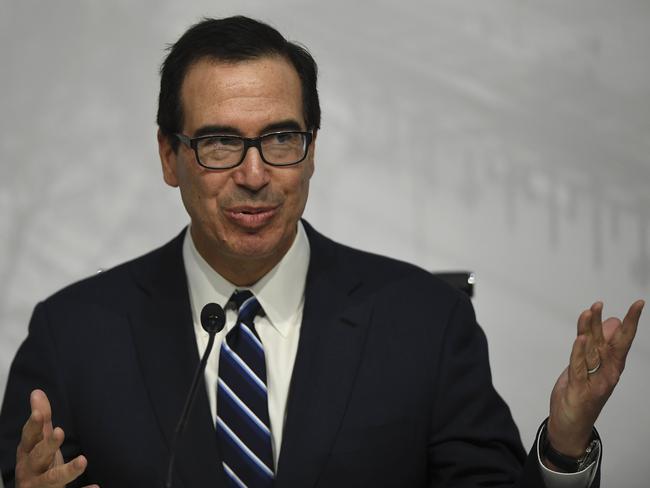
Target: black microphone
(213, 318)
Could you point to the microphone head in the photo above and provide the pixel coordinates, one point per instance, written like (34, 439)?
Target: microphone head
(213, 318)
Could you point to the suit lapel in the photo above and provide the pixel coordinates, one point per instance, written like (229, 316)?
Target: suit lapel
(167, 351)
(332, 338)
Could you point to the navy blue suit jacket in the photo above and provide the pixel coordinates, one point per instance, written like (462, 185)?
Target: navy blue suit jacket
(391, 386)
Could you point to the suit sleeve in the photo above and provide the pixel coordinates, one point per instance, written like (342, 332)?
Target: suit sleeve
(474, 440)
(36, 365)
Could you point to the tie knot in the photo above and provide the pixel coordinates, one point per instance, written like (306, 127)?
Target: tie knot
(246, 305)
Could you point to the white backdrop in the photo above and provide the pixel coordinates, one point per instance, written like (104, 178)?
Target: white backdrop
(506, 137)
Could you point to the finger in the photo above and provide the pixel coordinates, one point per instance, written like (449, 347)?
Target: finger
(630, 325)
(594, 333)
(42, 455)
(38, 424)
(597, 323)
(631, 320)
(583, 323)
(585, 330)
(63, 474)
(32, 433)
(577, 364)
(611, 330)
(39, 401)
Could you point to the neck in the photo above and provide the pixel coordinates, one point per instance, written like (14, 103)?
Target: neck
(245, 272)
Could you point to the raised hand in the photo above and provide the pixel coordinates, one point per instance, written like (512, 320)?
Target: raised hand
(597, 362)
(39, 462)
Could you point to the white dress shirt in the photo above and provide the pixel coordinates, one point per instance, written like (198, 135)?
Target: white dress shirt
(281, 293)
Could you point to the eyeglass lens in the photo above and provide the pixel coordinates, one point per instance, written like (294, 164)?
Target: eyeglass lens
(280, 148)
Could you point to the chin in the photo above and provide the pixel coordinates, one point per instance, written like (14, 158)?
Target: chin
(255, 246)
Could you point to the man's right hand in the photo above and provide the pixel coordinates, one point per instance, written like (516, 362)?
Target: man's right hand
(39, 462)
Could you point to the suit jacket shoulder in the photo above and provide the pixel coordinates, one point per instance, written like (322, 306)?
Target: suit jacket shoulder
(378, 274)
(116, 354)
(111, 288)
(392, 371)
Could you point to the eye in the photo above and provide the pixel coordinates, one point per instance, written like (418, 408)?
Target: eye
(220, 143)
(226, 141)
(283, 138)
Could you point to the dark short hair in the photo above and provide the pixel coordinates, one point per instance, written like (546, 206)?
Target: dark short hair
(231, 39)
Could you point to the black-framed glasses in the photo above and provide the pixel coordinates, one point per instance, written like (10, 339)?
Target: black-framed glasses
(218, 151)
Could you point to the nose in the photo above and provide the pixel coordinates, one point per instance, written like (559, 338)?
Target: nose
(253, 173)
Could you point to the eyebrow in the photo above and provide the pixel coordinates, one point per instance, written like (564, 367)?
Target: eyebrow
(287, 124)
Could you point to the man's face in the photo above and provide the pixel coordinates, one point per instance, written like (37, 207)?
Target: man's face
(244, 216)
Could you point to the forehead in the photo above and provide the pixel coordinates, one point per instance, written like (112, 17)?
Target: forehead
(246, 95)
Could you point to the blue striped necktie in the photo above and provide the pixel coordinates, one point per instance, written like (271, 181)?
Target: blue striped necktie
(243, 426)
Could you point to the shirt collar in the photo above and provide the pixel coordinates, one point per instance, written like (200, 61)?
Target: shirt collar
(280, 292)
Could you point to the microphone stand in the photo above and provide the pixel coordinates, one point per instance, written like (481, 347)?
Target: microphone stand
(213, 320)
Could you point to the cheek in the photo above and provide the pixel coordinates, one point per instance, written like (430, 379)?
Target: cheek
(200, 192)
(306, 177)
(301, 192)
(305, 190)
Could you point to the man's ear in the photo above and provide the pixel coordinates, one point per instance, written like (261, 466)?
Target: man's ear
(312, 150)
(168, 159)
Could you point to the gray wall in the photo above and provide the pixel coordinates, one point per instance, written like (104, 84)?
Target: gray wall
(507, 137)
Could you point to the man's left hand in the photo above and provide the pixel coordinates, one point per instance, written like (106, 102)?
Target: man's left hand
(596, 364)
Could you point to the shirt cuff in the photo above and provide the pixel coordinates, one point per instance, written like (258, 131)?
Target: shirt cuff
(554, 479)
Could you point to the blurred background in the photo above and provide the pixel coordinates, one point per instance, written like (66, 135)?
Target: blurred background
(506, 137)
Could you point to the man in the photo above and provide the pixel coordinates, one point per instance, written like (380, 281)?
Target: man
(358, 371)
